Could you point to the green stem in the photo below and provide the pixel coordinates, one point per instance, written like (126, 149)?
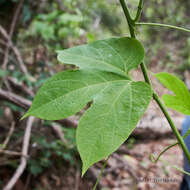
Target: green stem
(128, 17)
(155, 96)
(176, 132)
(100, 175)
(140, 7)
(145, 73)
(152, 158)
(181, 170)
(162, 25)
(167, 148)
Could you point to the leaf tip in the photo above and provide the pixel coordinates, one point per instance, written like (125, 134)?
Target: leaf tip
(24, 116)
(84, 170)
(59, 55)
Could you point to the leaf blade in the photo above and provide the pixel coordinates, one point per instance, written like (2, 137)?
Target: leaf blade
(111, 119)
(118, 55)
(68, 92)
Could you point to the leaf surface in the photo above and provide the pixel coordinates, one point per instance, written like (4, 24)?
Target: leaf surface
(68, 92)
(180, 100)
(118, 55)
(111, 119)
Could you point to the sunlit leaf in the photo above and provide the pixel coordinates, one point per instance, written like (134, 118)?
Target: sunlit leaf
(118, 55)
(111, 119)
(117, 102)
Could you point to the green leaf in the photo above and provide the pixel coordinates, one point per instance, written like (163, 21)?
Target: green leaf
(118, 55)
(118, 102)
(187, 133)
(111, 119)
(180, 101)
(68, 92)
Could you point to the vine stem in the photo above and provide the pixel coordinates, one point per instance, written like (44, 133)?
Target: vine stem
(100, 175)
(153, 159)
(162, 25)
(128, 17)
(172, 125)
(147, 79)
(140, 7)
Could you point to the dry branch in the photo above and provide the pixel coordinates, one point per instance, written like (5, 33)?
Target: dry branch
(12, 28)
(13, 98)
(5, 143)
(17, 86)
(11, 153)
(23, 161)
(15, 50)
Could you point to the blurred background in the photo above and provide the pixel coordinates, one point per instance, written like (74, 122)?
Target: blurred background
(30, 33)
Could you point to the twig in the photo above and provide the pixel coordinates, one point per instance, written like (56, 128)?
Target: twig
(59, 133)
(77, 180)
(12, 153)
(5, 162)
(162, 25)
(12, 28)
(15, 50)
(7, 84)
(17, 100)
(93, 174)
(19, 86)
(4, 145)
(11, 57)
(101, 173)
(23, 162)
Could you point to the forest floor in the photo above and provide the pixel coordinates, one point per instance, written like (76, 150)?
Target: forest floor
(123, 172)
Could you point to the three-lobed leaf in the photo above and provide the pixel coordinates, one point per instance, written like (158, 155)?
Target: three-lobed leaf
(118, 102)
(180, 100)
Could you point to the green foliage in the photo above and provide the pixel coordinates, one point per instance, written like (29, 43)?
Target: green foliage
(56, 26)
(110, 120)
(57, 149)
(68, 92)
(187, 133)
(118, 102)
(58, 22)
(112, 55)
(180, 101)
(3, 73)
